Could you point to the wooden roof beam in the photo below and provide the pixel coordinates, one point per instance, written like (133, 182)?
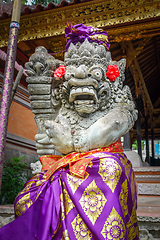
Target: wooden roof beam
(138, 50)
(157, 103)
(137, 68)
(31, 45)
(156, 110)
(157, 53)
(156, 122)
(21, 55)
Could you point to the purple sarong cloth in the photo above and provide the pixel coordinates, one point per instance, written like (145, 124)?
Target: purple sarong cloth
(102, 205)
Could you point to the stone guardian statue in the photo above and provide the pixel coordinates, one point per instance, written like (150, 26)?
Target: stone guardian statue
(86, 187)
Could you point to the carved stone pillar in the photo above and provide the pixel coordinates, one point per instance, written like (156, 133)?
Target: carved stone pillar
(138, 125)
(126, 143)
(152, 140)
(147, 141)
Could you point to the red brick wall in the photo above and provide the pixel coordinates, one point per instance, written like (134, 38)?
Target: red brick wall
(21, 121)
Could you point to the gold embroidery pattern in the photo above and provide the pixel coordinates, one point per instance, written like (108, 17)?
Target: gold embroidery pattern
(28, 186)
(133, 186)
(67, 202)
(123, 197)
(114, 227)
(62, 207)
(35, 180)
(75, 182)
(23, 204)
(110, 172)
(65, 235)
(80, 229)
(92, 201)
(100, 155)
(134, 215)
(131, 230)
(137, 230)
(90, 164)
(38, 183)
(127, 166)
(52, 178)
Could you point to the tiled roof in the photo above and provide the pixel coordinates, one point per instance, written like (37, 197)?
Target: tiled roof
(6, 9)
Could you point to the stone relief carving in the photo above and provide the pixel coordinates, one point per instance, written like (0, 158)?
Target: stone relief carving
(147, 169)
(149, 219)
(151, 224)
(146, 224)
(84, 108)
(147, 177)
(36, 167)
(149, 188)
(145, 235)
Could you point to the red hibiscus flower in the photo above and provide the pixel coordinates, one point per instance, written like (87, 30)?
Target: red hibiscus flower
(59, 72)
(112, 72)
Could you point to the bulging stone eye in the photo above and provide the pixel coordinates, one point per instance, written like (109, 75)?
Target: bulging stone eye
(97, 74)
(67, 75)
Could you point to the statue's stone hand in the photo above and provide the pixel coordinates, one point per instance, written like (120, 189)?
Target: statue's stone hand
(44, 147)
(36, 167)
(60, 135)
(81, 143)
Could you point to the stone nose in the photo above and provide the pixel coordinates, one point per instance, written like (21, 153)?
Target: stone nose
(81, 72)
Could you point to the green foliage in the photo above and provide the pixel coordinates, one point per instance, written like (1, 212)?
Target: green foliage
(143, 144)
(135, 145)
(35, 2)
(44, 2)
(13, 178)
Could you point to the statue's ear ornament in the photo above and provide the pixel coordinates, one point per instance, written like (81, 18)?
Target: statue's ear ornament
(112, 72)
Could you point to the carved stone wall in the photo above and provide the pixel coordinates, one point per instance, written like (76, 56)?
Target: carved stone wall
(149, 189)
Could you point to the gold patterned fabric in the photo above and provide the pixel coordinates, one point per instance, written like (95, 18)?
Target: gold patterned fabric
(92, 201)
(100, 205)
(114, 227)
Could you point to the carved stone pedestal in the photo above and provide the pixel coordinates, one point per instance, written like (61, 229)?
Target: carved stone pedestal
(6, 214)
(148, 212)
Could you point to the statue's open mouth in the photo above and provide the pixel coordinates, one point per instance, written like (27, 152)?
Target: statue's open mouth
(83, 95)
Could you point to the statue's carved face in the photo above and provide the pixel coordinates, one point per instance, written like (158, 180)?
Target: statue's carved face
(86, 88)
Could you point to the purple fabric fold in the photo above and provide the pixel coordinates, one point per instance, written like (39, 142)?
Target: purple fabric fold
(24, 226)
(50, 212)
(41, 220)
(102, 205)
